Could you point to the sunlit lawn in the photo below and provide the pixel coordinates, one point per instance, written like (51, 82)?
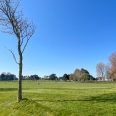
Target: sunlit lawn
(43, 98)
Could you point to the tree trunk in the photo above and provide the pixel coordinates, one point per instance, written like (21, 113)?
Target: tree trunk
(19, 97)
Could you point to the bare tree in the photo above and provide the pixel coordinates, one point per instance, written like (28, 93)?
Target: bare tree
(100, 70)
(12, 22)
(108, 72)
(112, 60)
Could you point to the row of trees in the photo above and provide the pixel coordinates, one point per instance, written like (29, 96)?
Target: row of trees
(31, 77)
(7, 77)
(78, 75)
(11, 77)
(54, 77)
(107, 71)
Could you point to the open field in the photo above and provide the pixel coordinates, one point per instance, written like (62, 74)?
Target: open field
(58, 99)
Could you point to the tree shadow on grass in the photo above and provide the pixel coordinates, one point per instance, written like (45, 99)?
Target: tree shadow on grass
(8, 89)
(55, 100)
(11, 89)
(111, 97)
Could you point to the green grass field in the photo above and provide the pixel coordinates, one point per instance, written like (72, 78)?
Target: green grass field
(58, 99)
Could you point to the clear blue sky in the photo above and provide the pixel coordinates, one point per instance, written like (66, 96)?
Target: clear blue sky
(70, 34)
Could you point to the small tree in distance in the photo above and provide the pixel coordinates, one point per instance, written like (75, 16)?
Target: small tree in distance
(108, 72)
(100, 70)
(12, 22)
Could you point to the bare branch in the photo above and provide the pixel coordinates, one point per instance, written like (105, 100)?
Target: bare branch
(12, 22)
(29, 32)
(12, 54)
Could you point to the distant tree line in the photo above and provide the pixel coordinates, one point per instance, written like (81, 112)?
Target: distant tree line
(78, 75)
(7, 77)
(10, 77)
(31, 77)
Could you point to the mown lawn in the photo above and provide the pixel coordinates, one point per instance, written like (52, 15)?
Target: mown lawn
(58, 99)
